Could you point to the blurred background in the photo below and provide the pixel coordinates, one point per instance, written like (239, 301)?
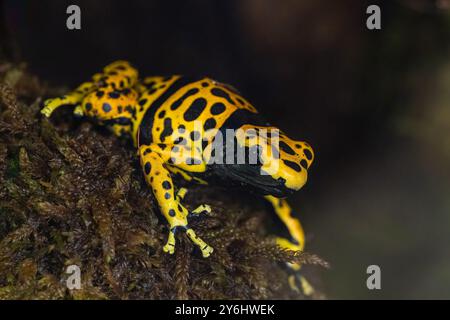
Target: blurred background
(375, 106)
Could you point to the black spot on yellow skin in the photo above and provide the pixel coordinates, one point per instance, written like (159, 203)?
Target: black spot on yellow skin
(166, 185)
(106, 107)
(162, 114)
(195, 109)
(204, 144)
(142, 102)
(114, 95)
(181, 141)
(88, 106)
(195, 135)
(217, 108)
(99, 93)
(222, 94)
(167, 196)
(131, 111)
(147, 168)
(167, 129)
(178, 102)
(292, 165)
(308, 154)
(286, 148)
(172, 213)
(304, 163)
(209, 124)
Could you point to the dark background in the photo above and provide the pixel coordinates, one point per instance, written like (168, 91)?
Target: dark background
(375, 106)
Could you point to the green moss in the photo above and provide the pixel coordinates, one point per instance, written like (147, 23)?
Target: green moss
(71, 195)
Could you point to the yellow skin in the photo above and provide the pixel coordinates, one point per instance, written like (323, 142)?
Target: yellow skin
(159, 113)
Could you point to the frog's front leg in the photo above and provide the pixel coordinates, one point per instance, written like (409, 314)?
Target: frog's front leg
(73, 98)
(284, 212)
(154, 161)
(201, 209)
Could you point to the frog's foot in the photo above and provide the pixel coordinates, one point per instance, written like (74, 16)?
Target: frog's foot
(181, 193)
(51, 105)
(201, 209)
(202, 245)
(296, 281)
(78, 111)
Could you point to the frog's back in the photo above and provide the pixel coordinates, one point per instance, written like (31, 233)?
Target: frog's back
(176, 106)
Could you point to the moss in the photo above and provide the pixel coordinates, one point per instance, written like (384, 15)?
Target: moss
(72, 194)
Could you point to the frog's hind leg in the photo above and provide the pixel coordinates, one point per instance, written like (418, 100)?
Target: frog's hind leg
(154, 160)
(73, 98)
(284, 212)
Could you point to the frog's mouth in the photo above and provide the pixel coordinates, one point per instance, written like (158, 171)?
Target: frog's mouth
(249, 176)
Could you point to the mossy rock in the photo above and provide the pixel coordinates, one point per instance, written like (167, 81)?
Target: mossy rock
(71, 194)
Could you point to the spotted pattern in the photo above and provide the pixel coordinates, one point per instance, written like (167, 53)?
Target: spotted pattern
(173, 121)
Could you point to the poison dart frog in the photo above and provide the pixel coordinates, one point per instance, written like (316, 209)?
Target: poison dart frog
(174, 123)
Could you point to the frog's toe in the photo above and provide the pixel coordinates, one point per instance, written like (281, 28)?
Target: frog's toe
(181, 193)
(46, 111)
(298, 283)
(293, 283)
(50, 105)
(169, 247)
(202, 209)
(78, 111)
(307, 288)
(202, 245)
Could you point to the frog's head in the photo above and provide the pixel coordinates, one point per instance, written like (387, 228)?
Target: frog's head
(282, 163)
